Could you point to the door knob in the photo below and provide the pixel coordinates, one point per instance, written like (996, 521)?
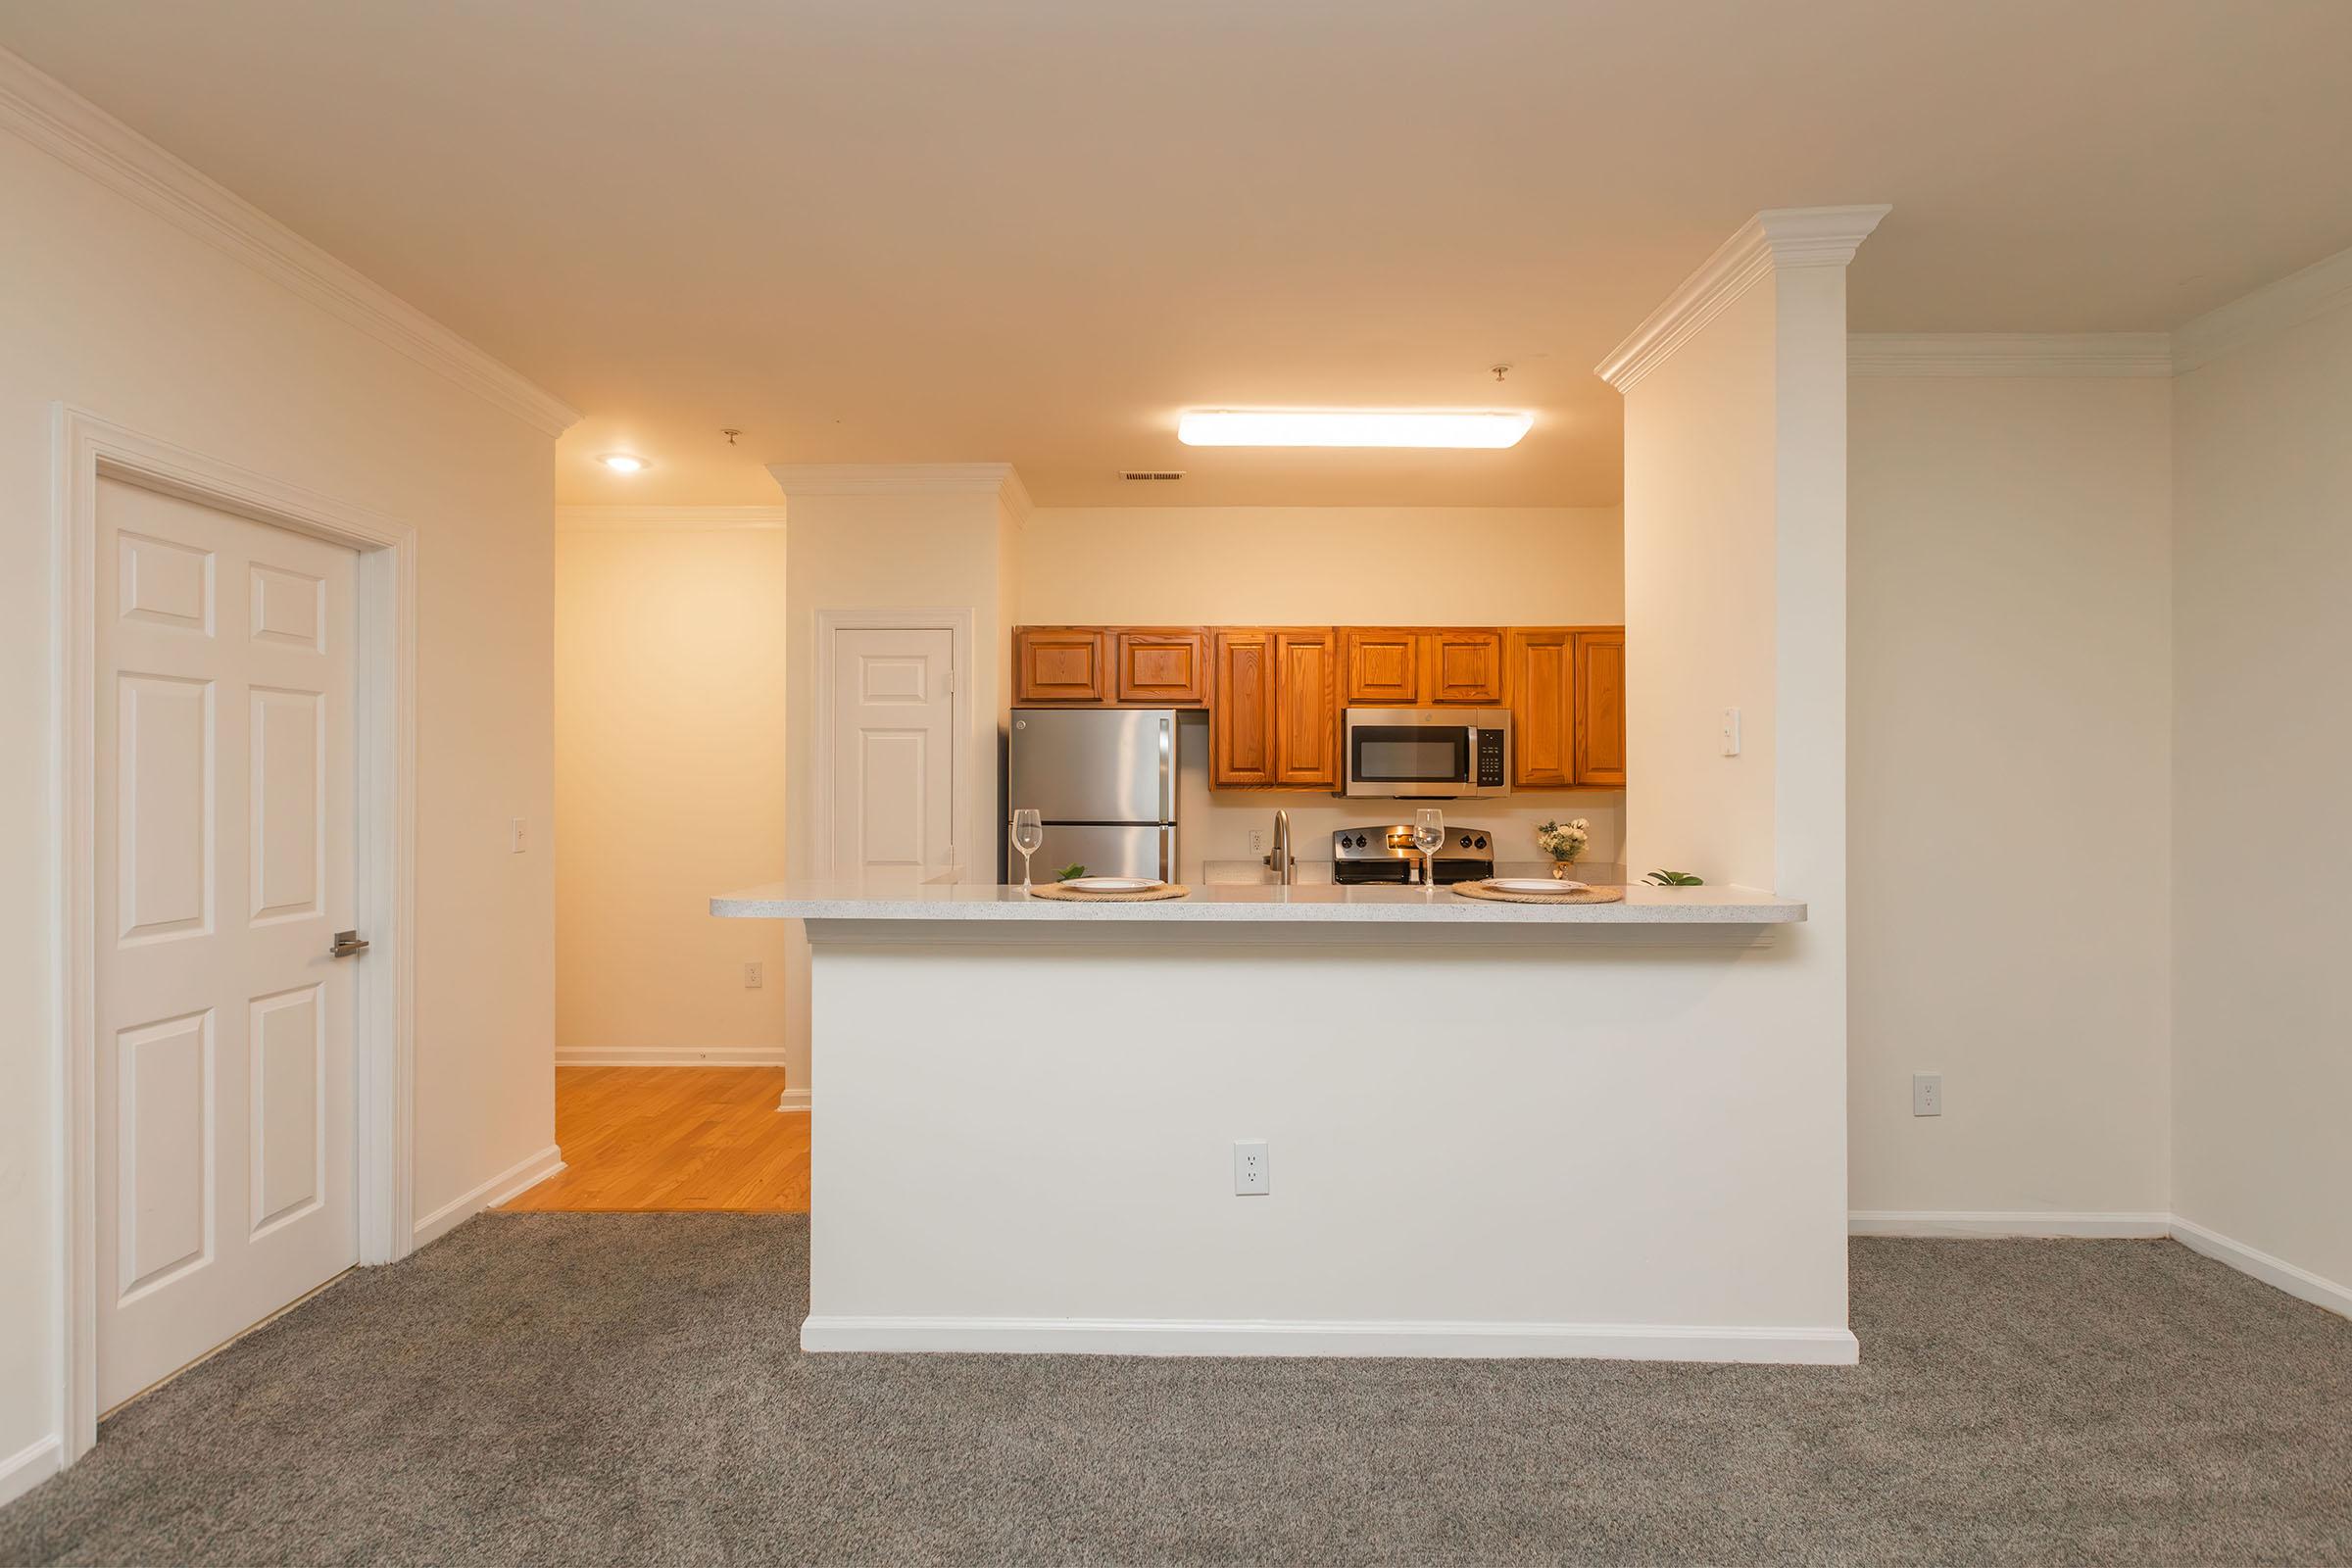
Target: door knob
(346, 944)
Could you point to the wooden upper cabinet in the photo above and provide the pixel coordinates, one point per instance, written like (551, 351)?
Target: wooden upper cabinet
(1462, 665)
(1059, 664)
(1241, 719)
(1600, 707)
(1161, 664)
(1543, 681)
(1380, 666)
(1307, 708)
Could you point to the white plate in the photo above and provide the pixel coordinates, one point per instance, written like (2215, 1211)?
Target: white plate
(1111, 884)
(1531, 884)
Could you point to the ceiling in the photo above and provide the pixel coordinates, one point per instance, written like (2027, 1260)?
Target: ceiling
(876, 230)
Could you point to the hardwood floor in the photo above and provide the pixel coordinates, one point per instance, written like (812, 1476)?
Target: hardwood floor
(674, 1138)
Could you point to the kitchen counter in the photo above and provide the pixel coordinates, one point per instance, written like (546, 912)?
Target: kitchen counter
(1491, 1129)
(1230, 904)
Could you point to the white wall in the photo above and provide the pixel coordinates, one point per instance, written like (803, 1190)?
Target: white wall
(1734, 595)
(671, 782)
(2011, 820)
(2262, 840)
(109, 307)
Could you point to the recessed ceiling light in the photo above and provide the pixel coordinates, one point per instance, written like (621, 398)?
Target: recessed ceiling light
(625, 462)
(1351, 427)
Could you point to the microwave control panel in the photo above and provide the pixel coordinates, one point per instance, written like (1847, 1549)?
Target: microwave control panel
(1489, 759)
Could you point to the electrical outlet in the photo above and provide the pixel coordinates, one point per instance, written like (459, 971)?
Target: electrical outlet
(1251, 1176)
(753, 978)
(1927, 1094)
(519, 834)
(1730, 733)
(1257, 840)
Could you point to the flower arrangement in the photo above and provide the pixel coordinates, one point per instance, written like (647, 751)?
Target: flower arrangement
(1564, 842)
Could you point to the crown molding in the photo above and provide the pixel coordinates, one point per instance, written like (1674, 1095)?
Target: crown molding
(1774, 240)
(76, 132)
(2009, 354)
(2324, 285)
(665, 520)
(903, 479)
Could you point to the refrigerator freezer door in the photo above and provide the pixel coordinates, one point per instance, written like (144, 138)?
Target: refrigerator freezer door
(1103, 851)
(1093, 764)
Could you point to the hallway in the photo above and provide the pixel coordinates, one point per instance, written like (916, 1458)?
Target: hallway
(671, 1138)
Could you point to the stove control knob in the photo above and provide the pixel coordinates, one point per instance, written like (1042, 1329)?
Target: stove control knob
(1465, 841)
(1482, 841)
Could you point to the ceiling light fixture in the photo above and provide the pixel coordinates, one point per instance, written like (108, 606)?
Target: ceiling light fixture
(1351, 427)
(625, 462)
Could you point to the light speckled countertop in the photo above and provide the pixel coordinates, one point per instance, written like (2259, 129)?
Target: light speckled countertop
(907, 901)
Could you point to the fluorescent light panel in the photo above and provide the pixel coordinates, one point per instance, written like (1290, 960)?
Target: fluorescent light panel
(1351, 427)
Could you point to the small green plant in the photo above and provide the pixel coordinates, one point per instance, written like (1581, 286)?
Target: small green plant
(1675, 879)
(1071, 871)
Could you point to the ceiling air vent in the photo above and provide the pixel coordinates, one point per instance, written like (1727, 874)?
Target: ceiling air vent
(1151, 473)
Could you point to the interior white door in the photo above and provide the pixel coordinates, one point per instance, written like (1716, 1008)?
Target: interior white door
(894, 752)
(225, 861)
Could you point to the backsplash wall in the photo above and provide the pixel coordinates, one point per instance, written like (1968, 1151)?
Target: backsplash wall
(1216, 823)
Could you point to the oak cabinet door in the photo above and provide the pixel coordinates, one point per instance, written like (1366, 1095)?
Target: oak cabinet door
(1464, 665)
(1241, 719)
(1600, 707)
(1059, 664)
(1542, 680)
(1161, 665)
(1307, 711)
(1382, 665)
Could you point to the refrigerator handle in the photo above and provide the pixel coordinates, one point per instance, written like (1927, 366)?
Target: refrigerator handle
(1167, 767)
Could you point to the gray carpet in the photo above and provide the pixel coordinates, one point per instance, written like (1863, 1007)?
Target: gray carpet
(581, 1388)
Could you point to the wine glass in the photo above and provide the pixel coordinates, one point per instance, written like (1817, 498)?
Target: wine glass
(1428, 836)
(1028, 832)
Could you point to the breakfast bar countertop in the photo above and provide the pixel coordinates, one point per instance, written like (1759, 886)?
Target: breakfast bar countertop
(1227, 904)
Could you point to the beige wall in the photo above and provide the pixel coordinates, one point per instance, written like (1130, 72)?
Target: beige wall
(670, 784)
(1701, 513)
(110, 307)
(894, 540)
(2262, 840)
(1322, 565)
(2011, 811)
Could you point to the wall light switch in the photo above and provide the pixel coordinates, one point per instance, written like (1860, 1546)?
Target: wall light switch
(519, 834)
(1730, 733)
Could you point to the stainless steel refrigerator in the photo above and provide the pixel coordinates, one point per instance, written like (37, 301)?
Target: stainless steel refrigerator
(1103, 781)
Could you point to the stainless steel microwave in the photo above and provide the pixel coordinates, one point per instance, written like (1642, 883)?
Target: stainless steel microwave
(1427, 753)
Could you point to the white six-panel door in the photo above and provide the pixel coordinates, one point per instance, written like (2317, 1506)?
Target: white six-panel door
(893, 751)
(225, 836)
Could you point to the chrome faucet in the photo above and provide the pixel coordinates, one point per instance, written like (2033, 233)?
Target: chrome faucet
(1285, 864)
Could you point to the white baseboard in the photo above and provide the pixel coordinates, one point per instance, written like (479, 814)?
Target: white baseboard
(523, 1174)
(793, 1100)
(670, 1056)
(1994, 1222)
(29, 1466)
(2273, 1271)
(1055, 1336)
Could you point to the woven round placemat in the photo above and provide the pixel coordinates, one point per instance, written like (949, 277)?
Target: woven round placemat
(1585, 895)
(1054, 890)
